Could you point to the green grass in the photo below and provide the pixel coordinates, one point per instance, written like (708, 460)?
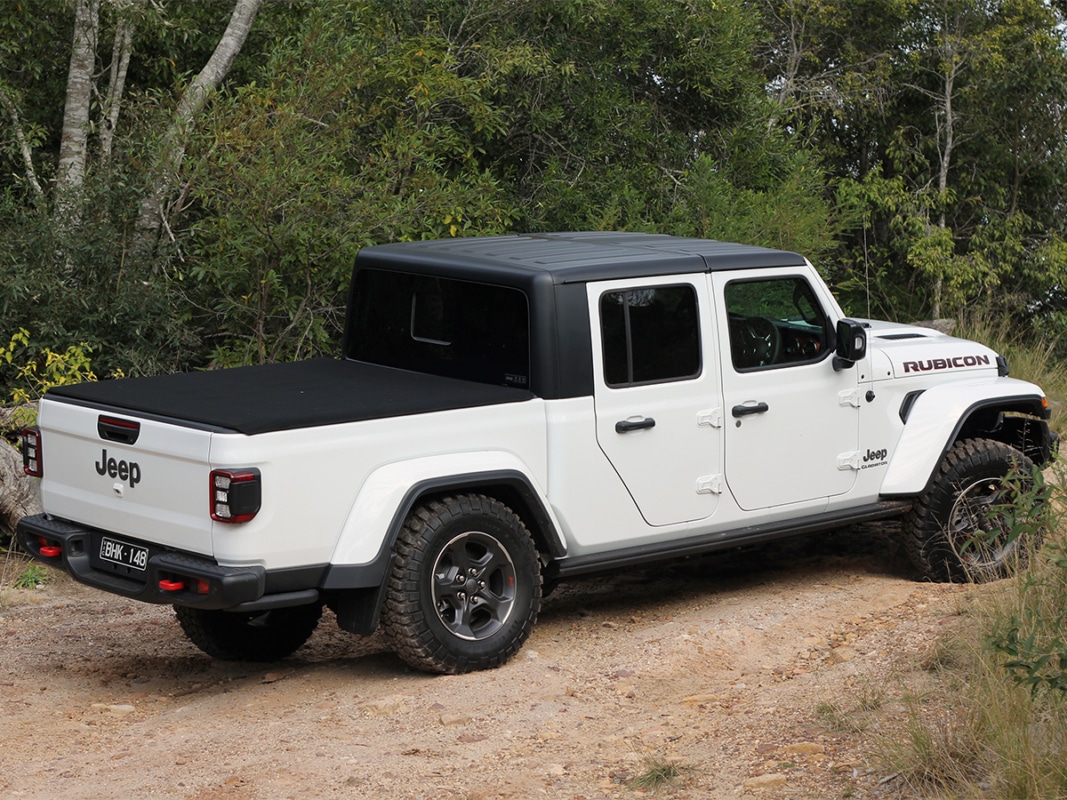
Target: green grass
(31, 577)
(993, 726)
(658, 773)
(1037, 362)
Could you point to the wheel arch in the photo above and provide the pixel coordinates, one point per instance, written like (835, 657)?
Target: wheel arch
(510, 487)
(355, 587)
(937, 418)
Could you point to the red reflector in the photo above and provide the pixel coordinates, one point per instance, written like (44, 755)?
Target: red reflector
(202, 586)
(171, 586)
(50, 551)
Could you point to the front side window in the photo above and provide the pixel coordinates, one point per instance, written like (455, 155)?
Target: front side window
(775, 322)
(455, 328)
(650, 335)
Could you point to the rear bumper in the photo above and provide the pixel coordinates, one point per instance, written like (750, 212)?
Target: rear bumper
(190, 580)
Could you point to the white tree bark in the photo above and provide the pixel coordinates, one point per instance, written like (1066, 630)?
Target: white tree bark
(73, 145)
(120, 62)
(151, 215)
(24, 145)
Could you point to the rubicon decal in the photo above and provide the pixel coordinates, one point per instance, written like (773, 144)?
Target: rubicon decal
(955, 362)
(123, 470)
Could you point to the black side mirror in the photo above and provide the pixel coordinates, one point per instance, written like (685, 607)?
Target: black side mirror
(851, 343)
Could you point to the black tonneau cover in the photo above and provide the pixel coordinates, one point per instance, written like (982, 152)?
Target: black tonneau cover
(280, 397)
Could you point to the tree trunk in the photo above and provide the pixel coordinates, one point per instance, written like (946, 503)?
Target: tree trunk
(120, 62)
(23, 144)
(72, 146)
(151, 215)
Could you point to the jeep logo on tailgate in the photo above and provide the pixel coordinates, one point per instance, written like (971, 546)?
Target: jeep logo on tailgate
(123, 470)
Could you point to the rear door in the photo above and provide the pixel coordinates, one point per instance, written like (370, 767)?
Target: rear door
(657, 390)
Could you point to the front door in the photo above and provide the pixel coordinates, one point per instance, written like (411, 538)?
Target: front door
(789, 416)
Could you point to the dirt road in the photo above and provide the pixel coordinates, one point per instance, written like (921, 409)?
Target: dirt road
(763, 675)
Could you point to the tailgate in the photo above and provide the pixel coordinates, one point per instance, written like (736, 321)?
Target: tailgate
(154, 489)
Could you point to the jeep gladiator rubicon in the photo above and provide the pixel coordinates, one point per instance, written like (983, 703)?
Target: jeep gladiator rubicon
(511, 411)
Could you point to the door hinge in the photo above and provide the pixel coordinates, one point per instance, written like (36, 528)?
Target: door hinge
(849, 460)
(850, 397)
(711, 418)
(710, 484)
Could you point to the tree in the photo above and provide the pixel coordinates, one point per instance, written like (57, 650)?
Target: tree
(152, 214)
(941, 126)
(73, 146)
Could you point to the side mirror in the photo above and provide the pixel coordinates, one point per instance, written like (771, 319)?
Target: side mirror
(851, 343)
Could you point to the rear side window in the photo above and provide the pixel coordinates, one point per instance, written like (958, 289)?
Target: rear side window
(650, 335)
(458, 329)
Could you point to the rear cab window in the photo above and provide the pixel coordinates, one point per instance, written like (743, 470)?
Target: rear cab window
(442, 326)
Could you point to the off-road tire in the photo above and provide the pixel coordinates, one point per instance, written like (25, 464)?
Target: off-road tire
(980, 517)
(465, 588)
(263, 636)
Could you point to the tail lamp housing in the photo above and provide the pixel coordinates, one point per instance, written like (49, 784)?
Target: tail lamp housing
(31, 452)
(236, 494)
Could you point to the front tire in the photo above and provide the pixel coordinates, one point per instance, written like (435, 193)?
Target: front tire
(263, 636)
(465, 588)
(981, 516)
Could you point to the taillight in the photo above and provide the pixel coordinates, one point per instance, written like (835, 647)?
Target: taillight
(31, 452)
(235, 494)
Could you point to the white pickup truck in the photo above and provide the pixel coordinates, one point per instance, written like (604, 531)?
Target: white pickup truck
(512, 411)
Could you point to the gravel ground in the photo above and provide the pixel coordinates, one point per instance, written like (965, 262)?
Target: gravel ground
(771, 673)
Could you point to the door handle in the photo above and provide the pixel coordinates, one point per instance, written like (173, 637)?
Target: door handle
(625, 425)
(744, 411)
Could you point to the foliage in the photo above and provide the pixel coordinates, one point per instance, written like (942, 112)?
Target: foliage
(658, 773)
(942, 126)
(377, 142)
(916, 150)
(995, 722)
(32, 577)
(1032, 636)
(43, 370)
(132, 325)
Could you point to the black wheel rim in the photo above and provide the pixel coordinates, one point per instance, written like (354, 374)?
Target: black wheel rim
(981, 527)
(474, 586)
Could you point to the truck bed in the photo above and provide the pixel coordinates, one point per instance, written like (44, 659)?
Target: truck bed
(277, 397)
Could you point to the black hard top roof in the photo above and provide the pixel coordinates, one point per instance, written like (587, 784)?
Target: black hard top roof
(573, 257)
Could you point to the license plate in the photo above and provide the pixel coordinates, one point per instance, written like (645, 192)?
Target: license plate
(123, 553)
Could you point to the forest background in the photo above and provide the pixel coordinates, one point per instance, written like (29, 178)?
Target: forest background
(184, 184)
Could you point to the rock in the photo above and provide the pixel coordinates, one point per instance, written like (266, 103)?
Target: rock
(390, 704)
(804, 748)
(454, 720)
(114, 708)
(701, 699)
(841, 654)
(769, 781)
(20, 495)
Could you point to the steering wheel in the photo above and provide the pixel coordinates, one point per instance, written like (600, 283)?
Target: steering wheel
(765, 341)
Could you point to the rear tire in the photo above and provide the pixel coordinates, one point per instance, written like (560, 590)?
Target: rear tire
(971, 523)
(465, 588)
(263, 636)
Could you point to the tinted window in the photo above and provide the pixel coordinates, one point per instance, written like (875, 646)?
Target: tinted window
(445, 327)
(650, 335)
(774, 322)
